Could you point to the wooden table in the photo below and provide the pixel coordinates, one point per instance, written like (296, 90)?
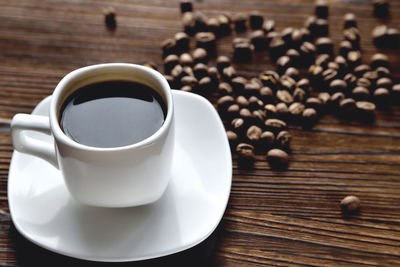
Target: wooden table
(273, 218)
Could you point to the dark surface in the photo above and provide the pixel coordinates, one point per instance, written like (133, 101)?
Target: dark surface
(273, 218)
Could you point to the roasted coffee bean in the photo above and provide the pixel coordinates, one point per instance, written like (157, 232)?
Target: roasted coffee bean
(287, 83)
(239, 126)
(383, 72)
(242, 50)
(365, 110)
(200, 70)
(255, 103)
(347, 107)
(321, 9)
(329, 75)
(292, 73)
(284, 96)
(213, 26)
(225, 24)
(238, 84)
(309, 117)
(186, 6)
(342, 64)
(178, 72)
(361, 93)
(354, 58)
(350, 80)
(372, 76)
(205, 85)
(315, 72)
(338, 86)
(277, 159)
(228, 73)
(170, 80)
(323, 60)
(270, 111)
(169, 47)
(267, 140)
(268, 26)
(109, 18)
(282, 110)
(232, 138)
(282, 64)
(310, 24)
(258, 40)
(277, 47)
(361, 69)
(382, 97)
(189, 80)
(258, 117)
(189, 23)
(297, 37)
(313, 102)
(286, 35)
(333, 65)
(206, 40)
(269, 78)
(240, 22)
(380, 36)
(349, 20)
(200, 55)
(275, 125)
(256, 20)
(352, 35)
(294, 56)
(214, 75)
(256, 81)
(186, 88)
(321, 27)
(336, 98)
(304, 84)
(185, 59)
(245, 154)
(253, 134)
(201, 21)
(245, 114)
(307, 52)
(324, 45)
(345, 47)
(266, 94)
(296, 110)
(364, 82)
(381, 8)
(182, 42)
(324, 97)
(283, 139)
(242, 101)
(223, 62)
(251, 89)
(170, 62)
(233, 112)
(384, 82)
(350, 204)
(396, 92)
(224, 102)
(299, 95)
(380, 60)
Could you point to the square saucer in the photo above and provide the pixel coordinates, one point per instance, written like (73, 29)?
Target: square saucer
(189, 211)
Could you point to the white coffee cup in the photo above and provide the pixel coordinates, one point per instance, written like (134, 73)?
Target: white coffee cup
(131, 175)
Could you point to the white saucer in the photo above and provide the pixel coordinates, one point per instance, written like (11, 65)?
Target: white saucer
(188, 212)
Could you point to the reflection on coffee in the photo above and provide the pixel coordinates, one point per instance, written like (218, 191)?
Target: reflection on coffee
(112, 114)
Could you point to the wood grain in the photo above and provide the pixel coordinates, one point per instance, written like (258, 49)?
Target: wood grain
(285, 218)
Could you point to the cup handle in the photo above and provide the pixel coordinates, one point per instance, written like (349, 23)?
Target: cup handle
(31, 145)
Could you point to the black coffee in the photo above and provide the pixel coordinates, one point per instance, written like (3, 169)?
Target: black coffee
(112, 114)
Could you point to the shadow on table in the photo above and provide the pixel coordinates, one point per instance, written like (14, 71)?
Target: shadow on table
(29, 254)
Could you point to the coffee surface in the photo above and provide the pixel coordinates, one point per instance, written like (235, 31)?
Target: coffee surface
(112, 114)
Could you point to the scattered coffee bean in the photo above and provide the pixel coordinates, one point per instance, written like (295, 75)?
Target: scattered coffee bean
(360, 70)
(224, 102)
(245, 154)
(253, 134)
(185, 59)
(354, 58)
(396, 92)
(347, 107)
(251, 89)
(169, 47)
(232, 138)
(361, 93)
(381, 8)
(275, 125)
(225, 24)
(365, 110)
(299, 95)
(352, 35)
(200, 55)
(238, 84)
(223, 62)
(282, 64)
(282, 110)
(372, 76)
(246, 114)
(380, 36)
(255, 20)
(329, 75)
(296, 110)
(206, 40)
(350, 80)
(350, 204)
(383, 72)
(321, 9)
(313, 102)
(200, 70)
(267, 140)
(205, 86)
(189, 80)
(292, 73)
(258, 40)
(309, 117)
(233, 112)
(228, 73)
(170, 80)
(284, 96)
(294, 56)
(324, 97)
(277, 159)
(109, 18)
(336, 98)
(283, 139)
(287, 83)
(258, 117)
(170, 62)
(277, 47)
(364, 82)
(382, 97)
(345, 47)
(384, 82)
(213, 26)
(350, 20)
(255, 103)
(242, 101)
(186, 88)
(268, 26)
(321, 28)
(307, 51)
(214, 75)
(266, 94)
(270, 79)
(324, 45)
(182, 42)
(380, 60)
(239, 126)
(338, 86)
(270, 111)
(242, 50)
(189, 23)
(240, 22)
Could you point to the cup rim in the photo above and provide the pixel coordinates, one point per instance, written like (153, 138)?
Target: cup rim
(61, 137)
